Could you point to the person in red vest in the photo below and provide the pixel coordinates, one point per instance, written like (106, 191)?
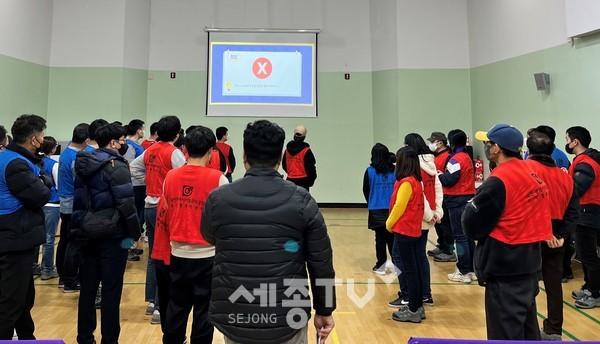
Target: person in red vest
(185, 191)
(154, 164)
(226, 150)
(407, 207)
(585, 171)
(509, 217)
(444, 252)
(564, 211)
(299, 161)
(458, 183)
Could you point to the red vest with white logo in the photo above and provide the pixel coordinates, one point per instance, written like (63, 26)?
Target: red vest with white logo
(526, 215)
(429, 188)
(225, 149)
(466, 183)
(441, 160)
(592, 195)
(560, 187)
(409, 223)
(185, 192)
(157, 161)
(295, 164)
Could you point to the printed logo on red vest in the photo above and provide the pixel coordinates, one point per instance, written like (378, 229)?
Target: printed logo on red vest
(152, 158)
(187, 190)
(262, 68)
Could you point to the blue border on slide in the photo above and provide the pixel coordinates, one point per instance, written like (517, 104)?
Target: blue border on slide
(217, 74)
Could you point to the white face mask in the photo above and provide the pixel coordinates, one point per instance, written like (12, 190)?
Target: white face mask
(433, 147)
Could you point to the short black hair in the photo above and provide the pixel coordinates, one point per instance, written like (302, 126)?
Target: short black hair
(457, 138)
(221, 131)
(581, 134)
(168, 128)
(263, 143)
(199, 140)
(81, 132)
(48, 145)
(407, 164)
(153, 128)
(190, 128)
(133, 126)
(2, 134)
(179, 142)
(540, 143)
(25, 126)
(109, 132)
(97, 123)
(546, 130)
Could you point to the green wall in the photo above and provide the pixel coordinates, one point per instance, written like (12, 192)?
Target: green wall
(23, 89)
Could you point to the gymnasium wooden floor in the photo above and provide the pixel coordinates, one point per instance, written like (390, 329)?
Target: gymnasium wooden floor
(458, 311)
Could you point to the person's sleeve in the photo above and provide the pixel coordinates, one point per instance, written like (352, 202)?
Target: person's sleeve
(177, 158)
(583, 176)
(283, 161)
(452, 174)
(439, 198)
(223, 180)
(138, 169)
(310, 166)
(206, 227)
(231, 159)
(55, 174)
(483, 212)
(121, 190)
(130, 153)
(427, 213)
(319, 259)
(402, 197)
(571, 215)
(366, 186)
(26, 186)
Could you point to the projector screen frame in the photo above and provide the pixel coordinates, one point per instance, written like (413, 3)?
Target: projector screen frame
(262, 30)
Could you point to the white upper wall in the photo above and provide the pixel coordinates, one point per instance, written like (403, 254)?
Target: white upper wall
(137, 34)
(26, 30)
(178, 40)
(88, 33)
(501, 29)
(384, 35)
(432, 34)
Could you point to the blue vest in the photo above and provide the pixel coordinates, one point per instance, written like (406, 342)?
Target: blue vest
(48, 166)
(136, 146)
(8, 202)
(66, 162)
(381, 189)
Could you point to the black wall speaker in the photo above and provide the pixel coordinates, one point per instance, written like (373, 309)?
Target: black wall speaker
(542, 81)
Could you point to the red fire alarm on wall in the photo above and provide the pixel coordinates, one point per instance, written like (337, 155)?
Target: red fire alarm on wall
(347, 76)
(173, 75)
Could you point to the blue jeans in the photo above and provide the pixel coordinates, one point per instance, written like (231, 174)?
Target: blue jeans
(151, 290)
(406, 248)
(51, 216)
(423, 265)
(465, 247)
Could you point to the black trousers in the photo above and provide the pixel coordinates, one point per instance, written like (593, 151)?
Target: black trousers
(406, 249)
(163, 285)
(569, 250)
(61, 249)
(139, 193)
(445, 240)
(510, 309)
(384, 243)
(17, 295)
(586, 241)
(103, 261)
(72, 262)
(552, 271)
(190, 287)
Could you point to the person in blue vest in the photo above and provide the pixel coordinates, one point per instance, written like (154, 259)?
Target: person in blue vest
(51, 209)
(24, 189)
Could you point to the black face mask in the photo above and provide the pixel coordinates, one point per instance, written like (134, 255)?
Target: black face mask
(568, 149)
(486, 151)
(123, 149)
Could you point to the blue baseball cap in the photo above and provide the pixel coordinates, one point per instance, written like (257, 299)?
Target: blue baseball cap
(506, 136)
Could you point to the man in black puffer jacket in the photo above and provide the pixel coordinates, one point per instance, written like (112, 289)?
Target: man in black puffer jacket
(267, 233)
(22, 197)
(103, 191)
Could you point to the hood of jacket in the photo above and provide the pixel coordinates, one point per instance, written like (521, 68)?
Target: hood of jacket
(295, 147)
(594, 154)
(428, 164)
(88, 164)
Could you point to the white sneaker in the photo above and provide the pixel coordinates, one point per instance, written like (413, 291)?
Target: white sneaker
(389, 265)
(150, 309)
(155, 318)
(459, 277)
(472, 276)
(380, 270)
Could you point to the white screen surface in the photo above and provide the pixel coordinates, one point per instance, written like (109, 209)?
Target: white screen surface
(262, 74)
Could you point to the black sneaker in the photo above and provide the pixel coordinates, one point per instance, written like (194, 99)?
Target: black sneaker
(61, 283)
(36, 270)
(428, 301)
(138, 251)
(399, 302)
(132, 257)
(72, 287)
(98, 301)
